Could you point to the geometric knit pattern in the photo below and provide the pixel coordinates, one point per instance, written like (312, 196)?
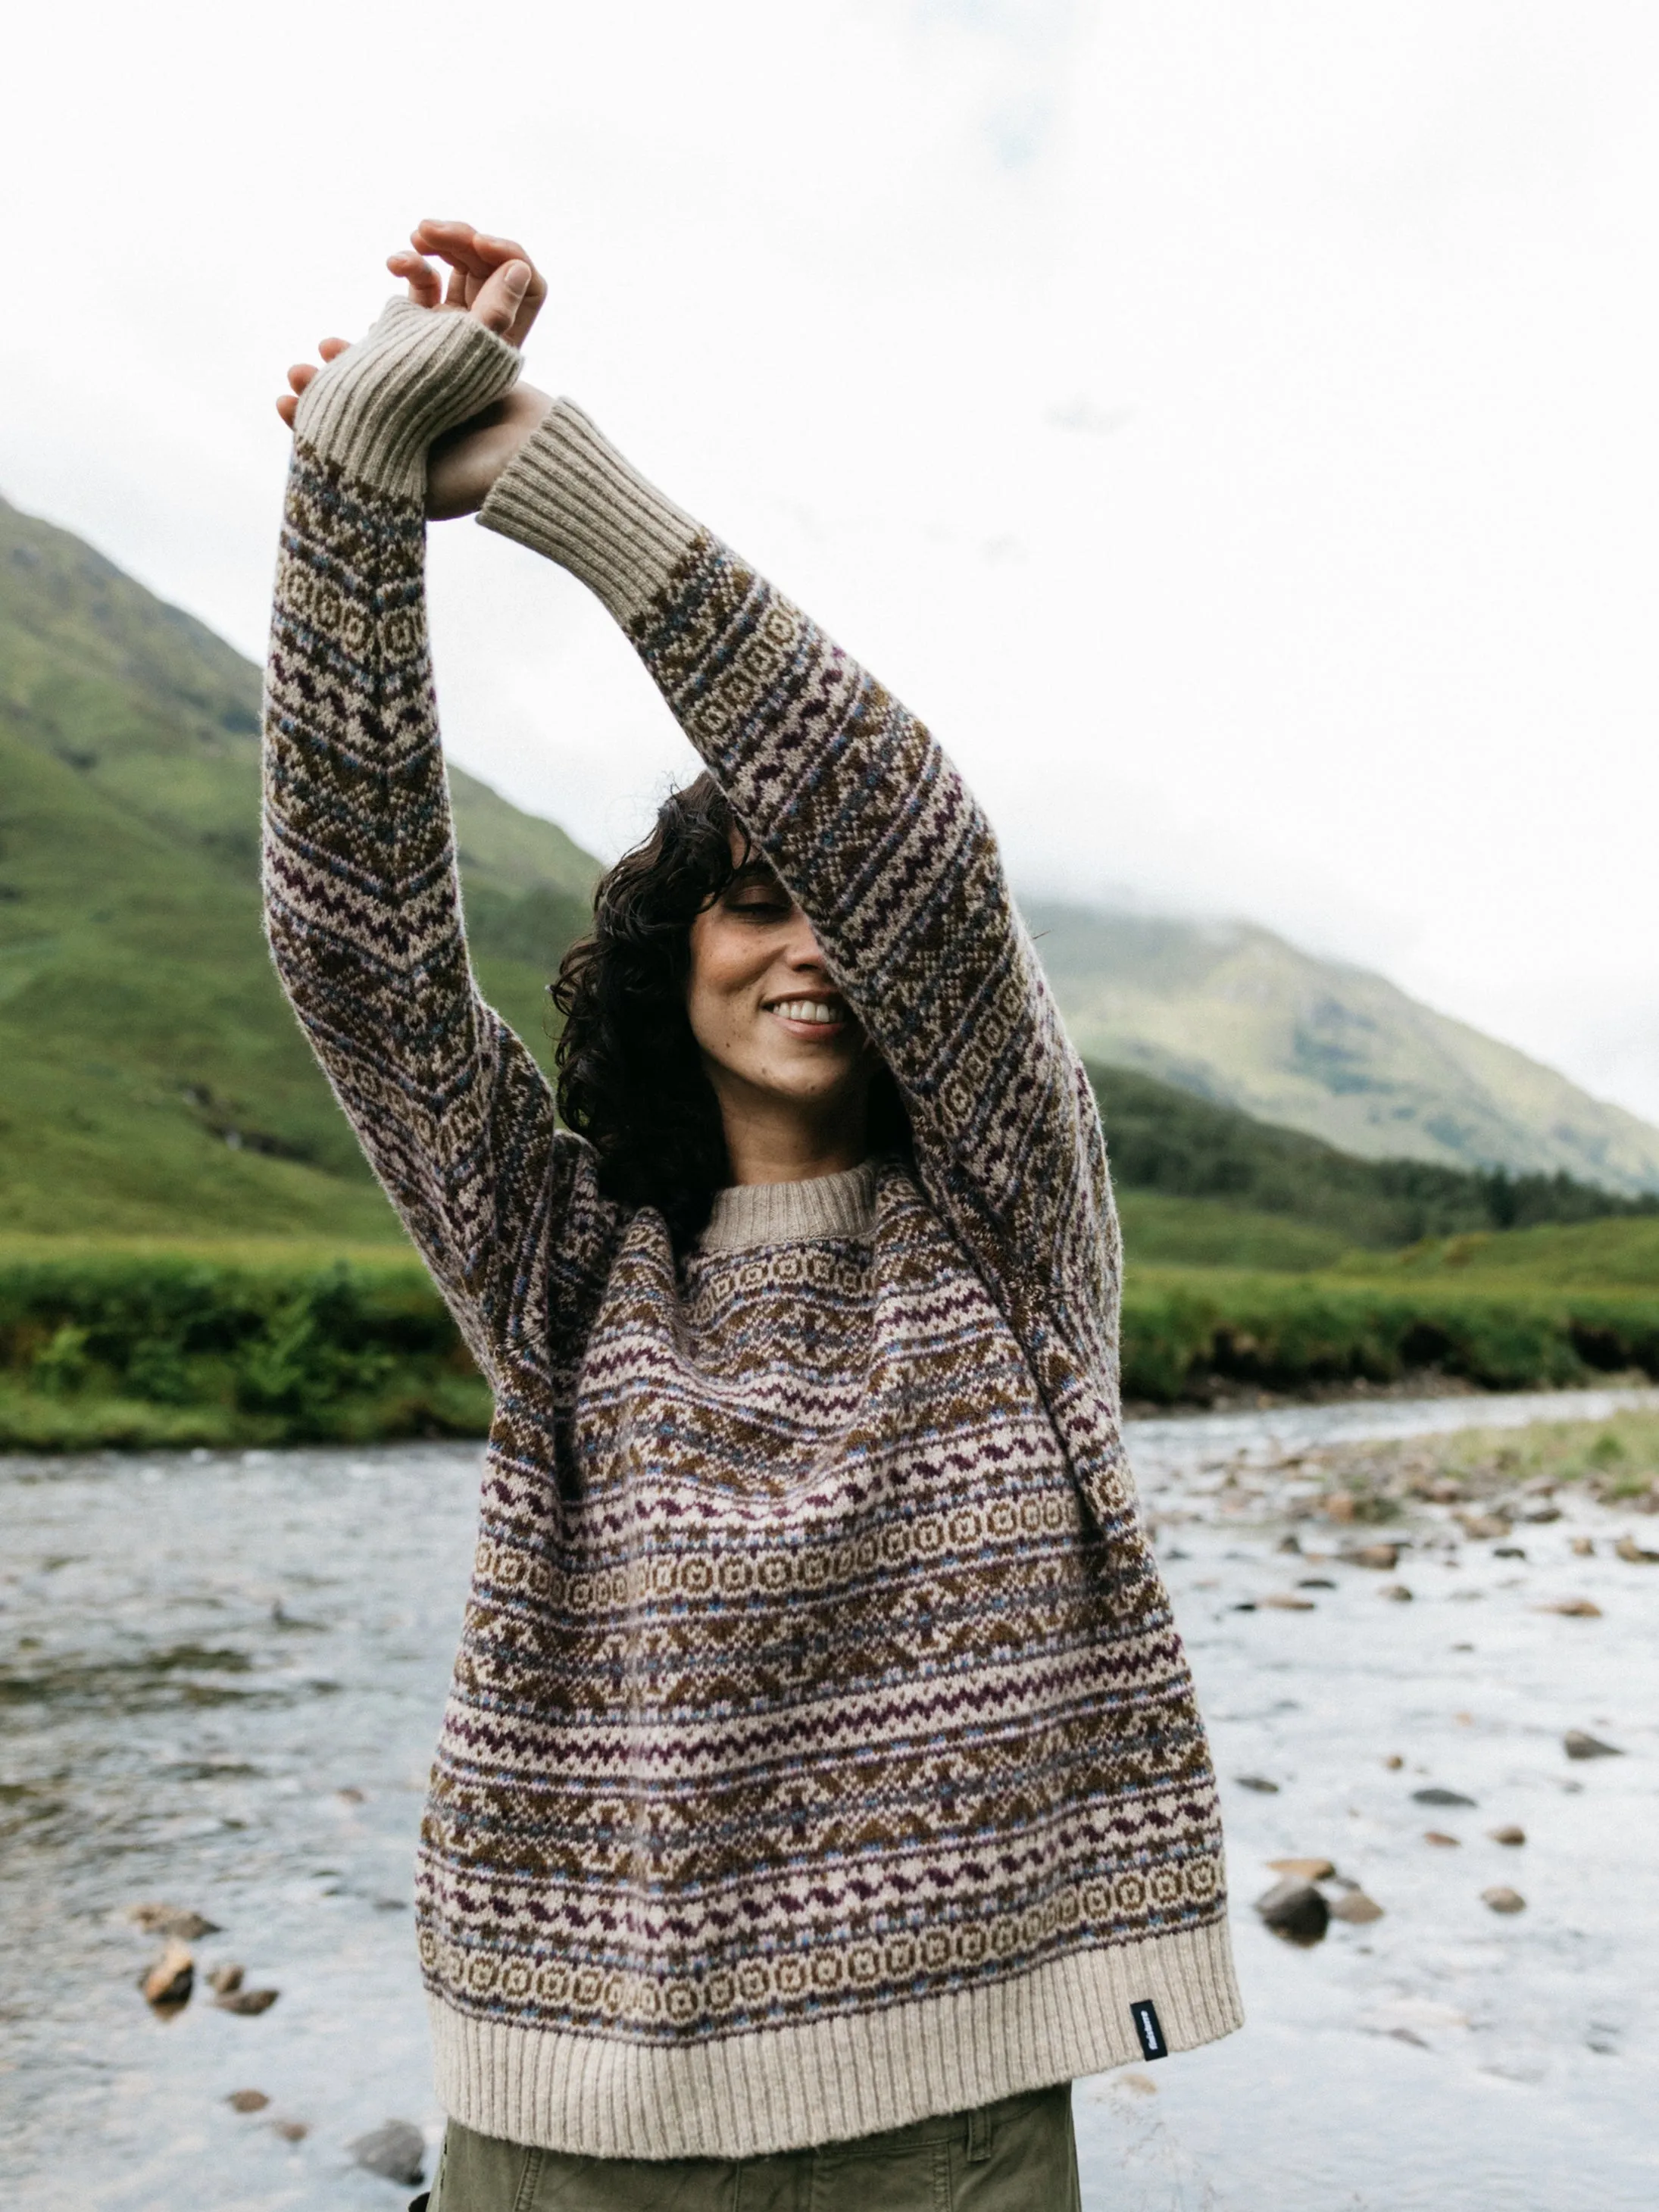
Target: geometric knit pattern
(820, 1752)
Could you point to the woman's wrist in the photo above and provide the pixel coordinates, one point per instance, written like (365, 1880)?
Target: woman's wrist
(419, 372)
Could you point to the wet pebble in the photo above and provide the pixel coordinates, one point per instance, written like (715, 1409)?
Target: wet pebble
(1510, 1832)
(397, 2149)
(1384, 1556)
(176, 1921)
(1628, 1549)
(292, 2131)
(247, 2001)
(1434, 1795)
(1438, 1836)
(1584, 1547)
(1296, 1911)
(247, 2101)
(1398, 1592)
(1504, 1900)
(1575, 1608)
(1287, 1601)
(168, 1983)
(1578, 1744)
(1304, 1869)
(1258, 1782)
(225, 1978)
(1357, 1908)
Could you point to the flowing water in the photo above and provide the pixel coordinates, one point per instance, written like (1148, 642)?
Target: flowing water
(221, 1678)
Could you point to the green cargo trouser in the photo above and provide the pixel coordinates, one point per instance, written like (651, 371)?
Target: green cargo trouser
(1019, 2155)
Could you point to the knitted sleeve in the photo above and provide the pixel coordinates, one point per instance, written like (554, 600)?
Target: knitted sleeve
(362, 906)
(871, 828)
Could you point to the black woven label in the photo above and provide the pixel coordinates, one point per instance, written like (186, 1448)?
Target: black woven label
(1144, 2017)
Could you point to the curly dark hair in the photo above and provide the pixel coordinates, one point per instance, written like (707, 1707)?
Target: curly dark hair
(630, 1076)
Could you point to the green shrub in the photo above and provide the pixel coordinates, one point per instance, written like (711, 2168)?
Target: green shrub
(1183, 1334)
(161, 1346)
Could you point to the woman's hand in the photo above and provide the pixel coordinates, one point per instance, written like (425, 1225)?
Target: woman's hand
(495, 280)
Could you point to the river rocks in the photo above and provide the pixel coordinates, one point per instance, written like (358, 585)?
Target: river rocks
(1394, 1762)
(1508, 1552)
(1296, 1911)
(1434, 1795)
(1510, 1832)
(1579, 1744)
(1541, 1514)
(1287, 1601)
(294, 2130)
(247, 2101)
(1504, 1900)
(1384, 1556)
(168, 1983)
(1584, 1547)
(1438, 1836)
(397, 2149)
(172, 1920)
(1575, 1608)
(1479, 1527)
(1314, 1582)
(223, 1979)
(1304, 1869)
(1397, 1591)
(1357, 1908)
(248, 2003)
(1628, 1549)
(1258, 1782)
(1340, 1506)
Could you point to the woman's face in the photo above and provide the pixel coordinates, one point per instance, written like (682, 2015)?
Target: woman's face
(770, 1024)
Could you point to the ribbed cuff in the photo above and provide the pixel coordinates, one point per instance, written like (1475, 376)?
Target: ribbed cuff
(417, 372)
(569, 495)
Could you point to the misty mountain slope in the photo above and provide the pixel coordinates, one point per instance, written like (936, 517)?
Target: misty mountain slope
(1235, 1014)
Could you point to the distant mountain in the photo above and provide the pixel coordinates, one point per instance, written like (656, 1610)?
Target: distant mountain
(152, 1080)
(1235, 1015)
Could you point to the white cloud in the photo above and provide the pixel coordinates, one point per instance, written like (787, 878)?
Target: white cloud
(1343, 620)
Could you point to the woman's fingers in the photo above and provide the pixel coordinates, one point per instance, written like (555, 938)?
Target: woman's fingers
(425, 288)
(457, 243)
(302, 373)
(501, 296)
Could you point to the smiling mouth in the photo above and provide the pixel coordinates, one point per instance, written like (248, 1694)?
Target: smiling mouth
(818, 1013)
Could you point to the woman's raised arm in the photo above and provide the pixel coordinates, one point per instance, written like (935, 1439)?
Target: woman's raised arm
(870, 826)
(361, 900)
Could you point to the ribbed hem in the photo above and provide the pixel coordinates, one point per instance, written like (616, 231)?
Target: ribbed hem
(752, 1213)
(418, 372)
(569, 495)
(782, 2088)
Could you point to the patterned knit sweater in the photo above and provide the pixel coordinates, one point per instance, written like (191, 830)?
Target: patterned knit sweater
(820, 1753)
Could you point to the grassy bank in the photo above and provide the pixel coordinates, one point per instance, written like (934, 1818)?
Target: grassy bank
(155, 1344)
(1186, 1330)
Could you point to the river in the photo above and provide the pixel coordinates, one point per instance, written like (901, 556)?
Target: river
(222, 1677)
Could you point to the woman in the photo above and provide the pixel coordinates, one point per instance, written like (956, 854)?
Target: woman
(821, 1788)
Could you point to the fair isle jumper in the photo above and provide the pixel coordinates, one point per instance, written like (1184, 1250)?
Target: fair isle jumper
(820, 1753)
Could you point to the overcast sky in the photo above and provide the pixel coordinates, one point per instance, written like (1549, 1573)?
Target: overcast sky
(1232, 425)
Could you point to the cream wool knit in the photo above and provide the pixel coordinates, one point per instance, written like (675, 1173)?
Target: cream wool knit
(820, 1753)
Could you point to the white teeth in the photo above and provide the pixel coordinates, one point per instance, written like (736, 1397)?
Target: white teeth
(806, 1010)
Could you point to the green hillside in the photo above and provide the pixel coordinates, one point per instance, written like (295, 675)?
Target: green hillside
(152, 1080)
(1203, 1185)
(154, 1083)
(1235, 1014)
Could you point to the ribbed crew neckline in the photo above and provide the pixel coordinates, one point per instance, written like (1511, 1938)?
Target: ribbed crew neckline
(747, 1214)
